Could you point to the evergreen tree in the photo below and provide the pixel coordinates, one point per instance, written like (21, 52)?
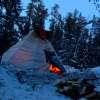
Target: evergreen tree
(75, 38)
(10, 12)
(95, 52)
(96, 4)
(69, 35)
(37, 13)
(56, 27)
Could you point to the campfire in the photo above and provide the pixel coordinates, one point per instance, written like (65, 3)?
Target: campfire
(54, 69)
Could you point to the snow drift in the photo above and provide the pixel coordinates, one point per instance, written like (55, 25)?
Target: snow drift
(11, 89)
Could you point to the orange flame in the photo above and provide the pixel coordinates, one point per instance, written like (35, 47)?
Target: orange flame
(54, 69)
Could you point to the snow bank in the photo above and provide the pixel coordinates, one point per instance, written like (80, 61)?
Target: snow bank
(96, 73)
(11, 89)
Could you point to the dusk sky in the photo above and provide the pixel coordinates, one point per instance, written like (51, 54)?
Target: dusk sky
(87, 9)
(83, 6)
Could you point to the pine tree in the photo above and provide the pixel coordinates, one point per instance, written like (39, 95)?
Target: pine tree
(37, 13)
(69, 36)
(56, 27)
(10, 10)
(96, 4)
(96, 45)
(75, 37)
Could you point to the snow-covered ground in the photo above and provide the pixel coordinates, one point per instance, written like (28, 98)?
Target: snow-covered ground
(11, 89)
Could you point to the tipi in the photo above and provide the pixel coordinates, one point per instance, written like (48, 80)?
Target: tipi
(28, 55)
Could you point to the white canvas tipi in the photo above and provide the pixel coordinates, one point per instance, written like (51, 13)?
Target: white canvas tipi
(28, 55)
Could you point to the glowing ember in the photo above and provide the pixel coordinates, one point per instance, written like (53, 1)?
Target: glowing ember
(54, 69)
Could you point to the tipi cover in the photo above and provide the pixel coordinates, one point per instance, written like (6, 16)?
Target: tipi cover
(28, 55)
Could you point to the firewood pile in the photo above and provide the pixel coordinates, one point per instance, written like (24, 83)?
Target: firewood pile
(76, 89)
